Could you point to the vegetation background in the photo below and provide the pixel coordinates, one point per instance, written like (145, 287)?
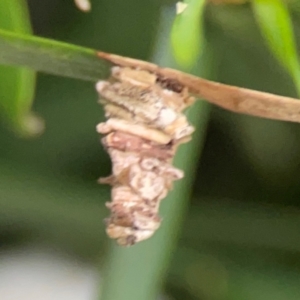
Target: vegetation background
(240, 235)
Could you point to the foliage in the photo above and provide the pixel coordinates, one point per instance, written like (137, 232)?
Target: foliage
(17, 84)
(240, 236)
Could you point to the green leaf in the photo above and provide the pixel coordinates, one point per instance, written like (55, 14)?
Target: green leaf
(187, 33)
(17, 85)
(18, 48)
(53, 57)
(276, 26)
(138, 272)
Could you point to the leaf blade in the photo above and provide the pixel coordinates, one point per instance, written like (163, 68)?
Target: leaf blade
(53, 57)
(138, 272)
(276, 26)
(187, 33)
(17, 85)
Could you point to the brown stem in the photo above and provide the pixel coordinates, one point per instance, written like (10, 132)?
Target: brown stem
(236, 99)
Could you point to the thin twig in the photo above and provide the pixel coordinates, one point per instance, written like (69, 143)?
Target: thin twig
(236, 99)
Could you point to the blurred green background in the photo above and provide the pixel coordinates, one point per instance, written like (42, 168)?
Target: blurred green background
(240, 238)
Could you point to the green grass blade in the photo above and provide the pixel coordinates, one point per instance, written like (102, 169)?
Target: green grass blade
(52, 57)
(276, 26)
(138, 272)
(17, 85)
(187, 34)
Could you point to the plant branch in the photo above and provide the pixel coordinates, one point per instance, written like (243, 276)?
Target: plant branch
(78, 62)
(236, 99)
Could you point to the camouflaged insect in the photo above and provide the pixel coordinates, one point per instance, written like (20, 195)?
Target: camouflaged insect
(144, 127)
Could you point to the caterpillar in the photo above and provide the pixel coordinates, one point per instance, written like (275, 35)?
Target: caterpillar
(144, 127)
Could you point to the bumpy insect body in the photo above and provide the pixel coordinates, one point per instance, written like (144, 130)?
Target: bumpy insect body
(144, 127)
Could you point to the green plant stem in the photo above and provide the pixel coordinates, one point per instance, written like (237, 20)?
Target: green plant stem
(51, 57)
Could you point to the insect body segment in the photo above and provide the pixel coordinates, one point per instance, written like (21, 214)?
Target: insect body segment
(144, 127)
